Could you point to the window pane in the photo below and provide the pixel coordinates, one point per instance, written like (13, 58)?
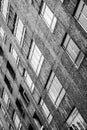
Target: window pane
(84, 11)
(53, 23)
(66, 41)
(46, 110)
(20, 27)
(16, 121)
(1, 32)
(48, 15)
(55, 89)
(28, 80)
(83, 21)
(5, 6)
(73, 50)
(60, 97)
(14, 54)
(5, 97)
(80, 58)
(79, 9)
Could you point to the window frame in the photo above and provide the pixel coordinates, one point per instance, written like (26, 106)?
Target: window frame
(5, 95)
(53, 20)
(32, 56)
(17, 28)
(79, 56)
(29, 82)
(79, 13)
(60, 95)
(14, 54)
(49, 117)
(5, 8)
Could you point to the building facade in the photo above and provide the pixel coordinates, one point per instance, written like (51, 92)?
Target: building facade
(43, 65)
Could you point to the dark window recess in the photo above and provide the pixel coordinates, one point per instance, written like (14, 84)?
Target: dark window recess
(0, 4)
(8, 84)
(1, 51)
(13, 114)
(37, 119)
(24, 95)
(1, 92)
(48, 79)
(40, 7)
(30, 127)
(20, 107)
(12, 16)
(10, 69)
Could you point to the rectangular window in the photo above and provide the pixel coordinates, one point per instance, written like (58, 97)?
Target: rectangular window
(65, 107)
(55, 90)
(46, 111)
(14, 54)
(16, 120)
(5, 97)
(81, 14)
(76, 121)
(73, 51)
(2, 32)
(10, 69)
(29, 82)
(4, 8)
(36, 58)
(12, 17)
(8, 84)
(21, 68)
(24, 95)
(20, 107)
(20, 31)
(48, 17)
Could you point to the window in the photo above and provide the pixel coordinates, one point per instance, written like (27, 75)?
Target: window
(8, 84)
(73, 51)
(16, 121)
(10, 69)
(14, 54)
(20, 107)
(21, 68)
(55, 90)
(1, 32)
(20, 31)
(76, 121)
(65, 107)
(81, 14)
(29, 82)
(36, 58)
(48, 17)
(12, 16)
(46, 111)
(5, 97)
(3, 110)
(24, 95)
(4, 8)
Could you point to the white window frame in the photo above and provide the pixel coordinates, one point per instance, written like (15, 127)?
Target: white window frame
(16, 120)
(80, 16)
(29, 82)
(14, 54)
(75, 54)
(46, 111)
(36, 58)
(6, 97)
(5, 8)
(48, 17)
(55, 90)
(19, 32)
(2, 32)
(74, 118)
